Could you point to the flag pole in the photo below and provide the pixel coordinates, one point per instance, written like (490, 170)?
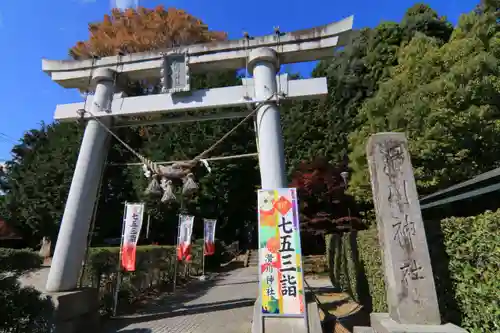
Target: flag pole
(203, 259)
(176, 260)
(177, 247)
(119, 266)
(147, 228)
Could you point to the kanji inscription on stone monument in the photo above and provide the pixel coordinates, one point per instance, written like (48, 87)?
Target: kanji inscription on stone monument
(410, 285)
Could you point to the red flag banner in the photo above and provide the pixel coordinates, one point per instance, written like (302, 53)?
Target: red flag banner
(185, 231)
(209, 236)
(131, 230)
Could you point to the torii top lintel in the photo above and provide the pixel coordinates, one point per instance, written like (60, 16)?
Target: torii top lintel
(298, 46)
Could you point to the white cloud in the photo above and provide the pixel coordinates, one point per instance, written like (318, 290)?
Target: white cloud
(124, 4)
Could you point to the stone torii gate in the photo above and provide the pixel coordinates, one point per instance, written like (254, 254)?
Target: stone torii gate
(263, 57)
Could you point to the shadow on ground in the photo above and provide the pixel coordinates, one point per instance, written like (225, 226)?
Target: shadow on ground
(169, 305)
(176, 310)
(184, 292)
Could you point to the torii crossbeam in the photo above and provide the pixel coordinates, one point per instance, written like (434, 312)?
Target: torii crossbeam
(172, 68)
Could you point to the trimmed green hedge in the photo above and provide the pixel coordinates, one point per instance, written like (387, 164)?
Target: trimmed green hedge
(19, 261)
(341, 263)
(349, 255)
(155, 266)
(473, 246)
(465, 254)
(371, 261)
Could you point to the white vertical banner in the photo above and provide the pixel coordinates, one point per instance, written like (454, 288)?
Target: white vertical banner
(209, 236)
(132, 224)
(184, 240)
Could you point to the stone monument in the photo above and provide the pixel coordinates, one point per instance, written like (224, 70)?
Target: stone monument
(411, 293)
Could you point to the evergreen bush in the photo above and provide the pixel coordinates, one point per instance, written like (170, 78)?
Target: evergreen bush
(22, 309)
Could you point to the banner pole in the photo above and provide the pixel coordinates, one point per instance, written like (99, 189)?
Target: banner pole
(147, 228)
(119, 268)
(204, 242)
(176, 260)
(177, 247)
(117, 290)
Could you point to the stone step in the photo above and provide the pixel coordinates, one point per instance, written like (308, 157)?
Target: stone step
(253, 258)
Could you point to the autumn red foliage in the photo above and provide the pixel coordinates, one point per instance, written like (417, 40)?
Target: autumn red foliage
(142, 30)
(324, 205)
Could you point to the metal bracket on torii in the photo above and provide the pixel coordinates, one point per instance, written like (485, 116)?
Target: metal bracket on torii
(173, 68)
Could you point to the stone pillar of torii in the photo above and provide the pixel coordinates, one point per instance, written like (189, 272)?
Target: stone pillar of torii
(262, 55)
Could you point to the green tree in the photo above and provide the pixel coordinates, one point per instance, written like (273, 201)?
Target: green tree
(37, 179)
(354, 74)
(445, 96)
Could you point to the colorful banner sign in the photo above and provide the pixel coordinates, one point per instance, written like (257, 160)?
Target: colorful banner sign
(185, 231)
(132, 224)
(209, 237)
(280, 255)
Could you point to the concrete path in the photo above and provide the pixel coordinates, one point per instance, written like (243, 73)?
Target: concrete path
(222, 305)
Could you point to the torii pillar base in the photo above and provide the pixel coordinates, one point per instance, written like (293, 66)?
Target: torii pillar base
(75, 311)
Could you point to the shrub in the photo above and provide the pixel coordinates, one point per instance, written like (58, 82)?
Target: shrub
(155, 266)
(22, 309)
(473, 246)
(465, 255)
(19, 261)
(338, 263)
(371, 260)
(221, 255)
(344, 264)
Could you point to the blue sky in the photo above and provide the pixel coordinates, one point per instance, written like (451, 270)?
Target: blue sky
(34, 29)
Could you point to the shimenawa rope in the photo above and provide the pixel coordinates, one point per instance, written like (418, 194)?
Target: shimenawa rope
(150, 164)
